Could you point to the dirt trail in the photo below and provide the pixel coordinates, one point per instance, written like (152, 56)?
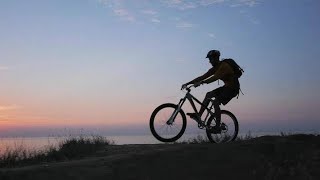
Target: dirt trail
(98, 165)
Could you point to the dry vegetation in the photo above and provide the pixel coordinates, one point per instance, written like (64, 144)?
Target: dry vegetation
(70, 148)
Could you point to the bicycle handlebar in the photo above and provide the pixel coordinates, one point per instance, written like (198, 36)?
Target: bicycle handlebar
(190, 86)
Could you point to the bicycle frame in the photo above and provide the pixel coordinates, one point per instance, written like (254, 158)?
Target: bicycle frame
(190, 98)
(166, 128)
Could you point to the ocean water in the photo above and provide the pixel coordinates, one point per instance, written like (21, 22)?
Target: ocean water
(42, 143)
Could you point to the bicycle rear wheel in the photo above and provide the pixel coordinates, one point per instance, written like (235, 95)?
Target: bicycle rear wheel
(229, 128)
(164, 131)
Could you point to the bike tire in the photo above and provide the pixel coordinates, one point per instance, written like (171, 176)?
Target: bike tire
(153, 118)
(227, 138)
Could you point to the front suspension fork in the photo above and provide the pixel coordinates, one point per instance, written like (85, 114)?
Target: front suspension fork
(176, 111)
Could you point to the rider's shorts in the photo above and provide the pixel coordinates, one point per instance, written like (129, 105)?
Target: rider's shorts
(223, 94)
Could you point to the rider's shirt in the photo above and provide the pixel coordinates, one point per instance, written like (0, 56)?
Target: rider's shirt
(225, 73)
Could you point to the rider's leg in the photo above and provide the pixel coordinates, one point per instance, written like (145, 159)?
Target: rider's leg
(206, 101)
(217, 111)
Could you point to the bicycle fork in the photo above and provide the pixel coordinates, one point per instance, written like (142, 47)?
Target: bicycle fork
(176, 111)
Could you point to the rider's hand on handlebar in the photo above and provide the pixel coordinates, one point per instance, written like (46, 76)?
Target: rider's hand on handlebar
(184, 86)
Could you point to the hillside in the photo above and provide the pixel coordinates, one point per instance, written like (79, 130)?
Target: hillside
(269, 157)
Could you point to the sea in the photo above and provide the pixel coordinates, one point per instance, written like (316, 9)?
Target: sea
(43, 143)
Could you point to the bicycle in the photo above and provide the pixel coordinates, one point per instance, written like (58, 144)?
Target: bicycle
(174, 119)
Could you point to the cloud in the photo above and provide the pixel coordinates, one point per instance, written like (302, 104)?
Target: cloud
(172, 2)
(111, 3)
(149, 12)
(155, 20)
(121, 12)
(152, 13)
(249, 3)
(210, 2)
(124, 14)
(129, 12)
(180, 4)
(212, 35)
(118, 9)
(184, 25)
(187, 4)
(9, 108)
(4, 68)
(252, 19)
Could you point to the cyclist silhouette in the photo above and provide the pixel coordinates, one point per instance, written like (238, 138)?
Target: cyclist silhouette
(223, 71)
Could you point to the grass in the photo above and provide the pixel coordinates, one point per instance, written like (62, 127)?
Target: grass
(196, 140)
(249, 136)
(283, 156)
(203, 139)
(70, 148)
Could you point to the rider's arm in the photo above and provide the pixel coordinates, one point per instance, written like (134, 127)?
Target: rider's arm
(204, 76)
(221, 72)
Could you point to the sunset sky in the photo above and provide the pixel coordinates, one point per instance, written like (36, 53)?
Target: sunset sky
(94, 63)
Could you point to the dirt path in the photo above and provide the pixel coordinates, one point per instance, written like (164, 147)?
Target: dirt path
(100, 165)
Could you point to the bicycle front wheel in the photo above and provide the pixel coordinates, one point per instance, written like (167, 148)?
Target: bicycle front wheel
(161, 129)
(229, 128)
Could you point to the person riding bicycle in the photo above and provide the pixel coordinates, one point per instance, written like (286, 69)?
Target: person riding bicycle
(220, 70)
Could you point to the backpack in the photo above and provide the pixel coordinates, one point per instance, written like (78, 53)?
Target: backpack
(236, 68)
(238, 71)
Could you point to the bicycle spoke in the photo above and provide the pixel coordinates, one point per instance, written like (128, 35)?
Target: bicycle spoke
(175, 128)
(163, 130)
(162, 126)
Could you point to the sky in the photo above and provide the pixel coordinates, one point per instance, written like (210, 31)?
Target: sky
(110, 63)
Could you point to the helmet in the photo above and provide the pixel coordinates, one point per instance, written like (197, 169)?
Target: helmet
(213, 53)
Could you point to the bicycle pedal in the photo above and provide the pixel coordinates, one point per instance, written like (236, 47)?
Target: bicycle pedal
(201, 125)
